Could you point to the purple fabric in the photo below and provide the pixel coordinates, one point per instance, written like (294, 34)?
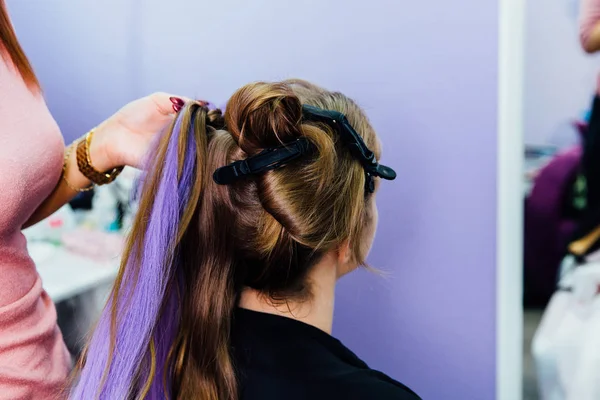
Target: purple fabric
(547, 230)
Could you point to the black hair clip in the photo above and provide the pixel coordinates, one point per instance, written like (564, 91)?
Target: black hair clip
(266, 160)
(276, 157)
(353, 141)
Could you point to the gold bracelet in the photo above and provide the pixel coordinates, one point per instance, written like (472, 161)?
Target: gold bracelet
(84, 162)
(64, 172)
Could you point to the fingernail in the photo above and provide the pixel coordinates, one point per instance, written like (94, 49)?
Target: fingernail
(177, 101)
(176, 108)
(202, 103)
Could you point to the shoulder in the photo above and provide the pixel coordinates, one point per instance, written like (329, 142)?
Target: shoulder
(356, 385)
(371, 384)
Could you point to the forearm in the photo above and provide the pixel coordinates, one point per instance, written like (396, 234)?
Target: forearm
(72, 182)
(589, 25)
(122, 139)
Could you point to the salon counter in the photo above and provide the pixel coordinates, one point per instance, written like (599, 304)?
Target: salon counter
(78, 285)
(66, 275)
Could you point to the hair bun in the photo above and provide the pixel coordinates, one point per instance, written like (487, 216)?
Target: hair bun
(264, 115)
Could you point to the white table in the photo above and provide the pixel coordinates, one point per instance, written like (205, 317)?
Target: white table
(78, 285)
(66, 275)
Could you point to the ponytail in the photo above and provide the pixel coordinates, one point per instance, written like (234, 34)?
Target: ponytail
(143, 314)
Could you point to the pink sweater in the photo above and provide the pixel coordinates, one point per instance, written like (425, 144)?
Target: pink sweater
(34, 361)
(590, 16)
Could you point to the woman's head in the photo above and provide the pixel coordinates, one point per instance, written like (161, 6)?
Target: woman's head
(285, 219)
(196, 244)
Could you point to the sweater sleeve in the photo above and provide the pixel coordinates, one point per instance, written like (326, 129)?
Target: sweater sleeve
(588, 18)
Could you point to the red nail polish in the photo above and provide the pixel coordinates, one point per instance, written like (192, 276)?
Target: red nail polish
(177, 101)
(176, 108)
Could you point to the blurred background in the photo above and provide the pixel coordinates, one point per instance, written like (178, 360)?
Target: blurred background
(561, 270)
(426, 73)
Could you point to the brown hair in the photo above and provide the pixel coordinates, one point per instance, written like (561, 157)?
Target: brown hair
(11, 49)
(265, 232)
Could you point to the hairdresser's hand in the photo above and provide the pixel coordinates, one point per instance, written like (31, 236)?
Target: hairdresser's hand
(124, 138)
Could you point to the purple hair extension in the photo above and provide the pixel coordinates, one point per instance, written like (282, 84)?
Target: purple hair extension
(139, 306)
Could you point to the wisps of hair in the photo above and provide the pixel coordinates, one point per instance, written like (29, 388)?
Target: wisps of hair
(9, 46)
(139, 324)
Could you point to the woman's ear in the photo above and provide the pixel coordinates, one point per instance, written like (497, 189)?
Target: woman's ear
(344, 253)
(346, 261)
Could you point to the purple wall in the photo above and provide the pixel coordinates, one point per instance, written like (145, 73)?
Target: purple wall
(426, 72)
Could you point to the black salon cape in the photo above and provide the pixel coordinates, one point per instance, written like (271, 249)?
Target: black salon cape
(278, 358)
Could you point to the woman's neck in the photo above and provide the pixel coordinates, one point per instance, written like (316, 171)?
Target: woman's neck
(316, 311)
